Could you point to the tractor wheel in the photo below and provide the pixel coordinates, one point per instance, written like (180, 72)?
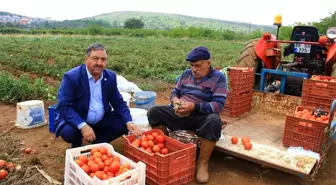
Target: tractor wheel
(333, 70)
(248, 58)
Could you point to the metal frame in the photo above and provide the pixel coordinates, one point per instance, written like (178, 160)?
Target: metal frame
(283, 74)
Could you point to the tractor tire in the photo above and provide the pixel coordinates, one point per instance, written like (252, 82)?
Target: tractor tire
(333, 70)
(248, 58)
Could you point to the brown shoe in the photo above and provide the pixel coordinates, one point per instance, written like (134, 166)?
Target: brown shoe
(202, 174)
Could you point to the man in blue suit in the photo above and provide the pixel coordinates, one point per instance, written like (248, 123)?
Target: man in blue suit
(86, 97)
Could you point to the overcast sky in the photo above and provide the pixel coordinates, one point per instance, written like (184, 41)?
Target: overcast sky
(254, 11)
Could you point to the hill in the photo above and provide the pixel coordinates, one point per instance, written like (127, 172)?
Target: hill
(152, 20)
(168, 21)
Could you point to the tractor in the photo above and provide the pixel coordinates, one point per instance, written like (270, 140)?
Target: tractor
(311, 53)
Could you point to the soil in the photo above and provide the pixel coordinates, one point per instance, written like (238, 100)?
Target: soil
(224, 169)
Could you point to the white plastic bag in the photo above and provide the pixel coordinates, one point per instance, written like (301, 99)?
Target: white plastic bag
(126, 86)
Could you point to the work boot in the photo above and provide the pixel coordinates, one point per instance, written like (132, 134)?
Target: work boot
(202, 174)
(162, 128)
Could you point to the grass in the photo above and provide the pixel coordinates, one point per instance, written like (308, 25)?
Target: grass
(152, 63)
(147, 58)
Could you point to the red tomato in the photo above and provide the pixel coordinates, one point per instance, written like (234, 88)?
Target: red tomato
(156, 148)
(149, 150)
(103, 150)
(97, 155)
(160, 139)
(114, 167)
(106, 169)
(27, 150)
(3, 174)
(248, 146)
(94, 167)
(105, 177)
(104, 158)
(161, 145)
(128, 166)
(143, 138)
(116, 158)
(94, 150)
(110, 174)
(154, 134)
(150, 137)
(79, 163)
(245, 140)
(117, 174)
(136, 144)
(99, 174)
(101, 165)
(86, 169)
(2, 163)
(108, 162)
(234, 140)
(109, 155)
(144, 144)
(137, 141)
(164, 151)
(92, 175)
(98, 160)
(150, 143)
(83, 158)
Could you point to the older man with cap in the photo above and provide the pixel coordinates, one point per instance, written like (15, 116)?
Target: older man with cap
(198, 98)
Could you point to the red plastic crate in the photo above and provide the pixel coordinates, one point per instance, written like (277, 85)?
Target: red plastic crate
(172, 168)
(241, 79)
(235, 113)
(306, 133)
(321, 88)
(316, 101)
(237, 105)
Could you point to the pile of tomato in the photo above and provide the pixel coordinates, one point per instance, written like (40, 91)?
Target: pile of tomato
(244, 140)
(323, 78)
(309, 115)
(102, 164)
(151, 143)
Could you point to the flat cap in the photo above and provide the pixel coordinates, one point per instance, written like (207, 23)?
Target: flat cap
(198, 53)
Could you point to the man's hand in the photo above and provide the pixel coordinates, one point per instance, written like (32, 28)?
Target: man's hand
(176, 100)
(88, 133)
(186, 108)
(133, 129)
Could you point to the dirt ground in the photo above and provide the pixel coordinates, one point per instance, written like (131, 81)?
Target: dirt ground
(224, 169)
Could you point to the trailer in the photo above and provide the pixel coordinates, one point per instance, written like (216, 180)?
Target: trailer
(265, 126)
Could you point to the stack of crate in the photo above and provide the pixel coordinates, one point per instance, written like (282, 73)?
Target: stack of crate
(239, 99)
(319, 91)
(309, 131)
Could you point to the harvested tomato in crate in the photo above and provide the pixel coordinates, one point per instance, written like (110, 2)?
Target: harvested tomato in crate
(173, 164)
(319, 91)
(306, 128)
(99, 164)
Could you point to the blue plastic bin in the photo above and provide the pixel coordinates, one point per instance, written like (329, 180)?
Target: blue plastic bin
(144, 99)
(52, 117)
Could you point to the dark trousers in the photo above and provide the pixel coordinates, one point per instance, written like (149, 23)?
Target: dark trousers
(106, 130)
(207, 126)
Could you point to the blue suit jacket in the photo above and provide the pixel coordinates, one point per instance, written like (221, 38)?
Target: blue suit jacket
(74, 98)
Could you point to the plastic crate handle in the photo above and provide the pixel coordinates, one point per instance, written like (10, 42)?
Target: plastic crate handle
(181, 157)
(321, 84)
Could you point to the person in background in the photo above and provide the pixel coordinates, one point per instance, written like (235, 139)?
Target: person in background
(86, 97)
(196, 101)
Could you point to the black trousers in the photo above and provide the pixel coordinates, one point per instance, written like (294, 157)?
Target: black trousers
(207, 126)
